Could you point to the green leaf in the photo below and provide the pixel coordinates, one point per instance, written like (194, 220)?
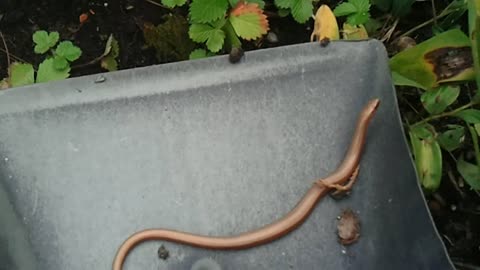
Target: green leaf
(284, 3)
(474, 30)
(200, 53)
(469, 172)
(302, 10)
(109, 63)
(423, 131)
(358, 18)
(361, 5)
(44, 41)
(404, 81)
(112, 51)
(59, 62)
(260, 3)
(458, 8)
(351, 32)
(204, 11)
(21, 74)
(345, 8)
(173, 3)
(247, 25)
(428, 161)
(471, 116)
(438, 99)
(213, 37)
(68, 50)
(425, 63)
(232, 40)
(251, 25)
(47, 72)
(452, 138)
(477, 128)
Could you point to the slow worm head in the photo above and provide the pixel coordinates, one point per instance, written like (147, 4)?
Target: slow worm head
(279, 228)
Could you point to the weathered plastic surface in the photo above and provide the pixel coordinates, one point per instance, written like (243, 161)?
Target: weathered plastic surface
(212, 148)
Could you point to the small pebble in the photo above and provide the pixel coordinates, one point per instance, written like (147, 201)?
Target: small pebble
(163, 252)
(100, 79)
(453, 207)
(272, 37)
(235, 55)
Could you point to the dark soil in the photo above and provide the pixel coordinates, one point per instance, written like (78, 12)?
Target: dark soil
(454, 207)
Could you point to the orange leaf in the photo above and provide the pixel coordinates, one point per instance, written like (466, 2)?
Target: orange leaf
(243, 8)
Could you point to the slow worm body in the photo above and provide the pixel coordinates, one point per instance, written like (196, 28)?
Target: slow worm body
(274, 230)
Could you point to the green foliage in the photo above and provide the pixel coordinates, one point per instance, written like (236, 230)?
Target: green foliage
(48, 72)
(66, 52)
(301, 10)
(418, 65)
(173, 3)
(427, 143)
(397, 8)
(452, 138)
(260, 3)
(44, 41)
(357, 11)
(474, 30)
(212, 34)
(55, 66)
(21, 74)
(200, 53)
(204, 11)
(437, 100)
(170, 39)
(428, 156)
(220, 23)
(246, 25)
(112, 51)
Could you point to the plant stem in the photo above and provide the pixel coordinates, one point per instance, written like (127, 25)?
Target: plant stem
(445, 114)
(442, 14)
(6, 48)
(474, 135)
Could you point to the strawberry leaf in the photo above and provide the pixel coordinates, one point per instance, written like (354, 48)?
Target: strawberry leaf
(44, 41)
(344, 9)
(204, 11)
(283, 3)
(20, 74)
(173, 3)
(302, 10)
(69, 51)
(248, 20)
(361, 5)
(200, 53)
(214, 37)
(47, 72)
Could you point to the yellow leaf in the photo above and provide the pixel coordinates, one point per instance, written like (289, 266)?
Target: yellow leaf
(326, 26)
(351, 32)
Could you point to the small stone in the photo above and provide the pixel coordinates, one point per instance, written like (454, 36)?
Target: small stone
(163, 253)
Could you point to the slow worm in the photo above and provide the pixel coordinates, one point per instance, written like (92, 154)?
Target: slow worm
(274, 230)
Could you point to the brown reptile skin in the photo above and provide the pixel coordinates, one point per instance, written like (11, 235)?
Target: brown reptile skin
(274, 230)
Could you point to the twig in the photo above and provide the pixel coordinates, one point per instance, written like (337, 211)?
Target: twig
(474, 135)
(14, 56)
(6, 48)
(91, 62)
(156, 4)
(434, 11)
(451, 177)
(443, 14)
(445, 114)
(389, 33)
